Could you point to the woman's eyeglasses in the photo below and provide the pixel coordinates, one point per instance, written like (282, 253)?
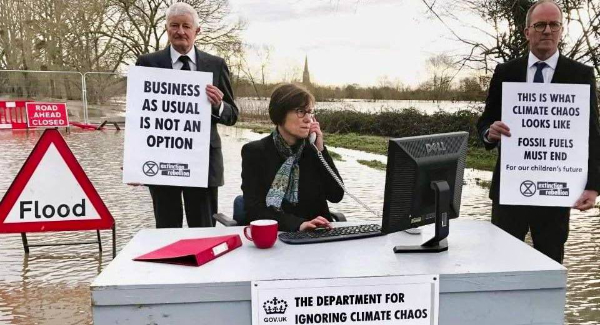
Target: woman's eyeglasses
(301, 112)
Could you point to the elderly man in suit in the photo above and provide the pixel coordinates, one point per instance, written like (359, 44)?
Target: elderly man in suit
(200, 203)
(549, 226)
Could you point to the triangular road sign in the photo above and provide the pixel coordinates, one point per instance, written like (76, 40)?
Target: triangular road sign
(52, 193)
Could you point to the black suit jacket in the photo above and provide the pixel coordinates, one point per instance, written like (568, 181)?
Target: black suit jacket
(567, 72)
(207, 63)
(260, 163)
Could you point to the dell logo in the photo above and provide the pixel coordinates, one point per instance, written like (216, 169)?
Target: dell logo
(436, 146)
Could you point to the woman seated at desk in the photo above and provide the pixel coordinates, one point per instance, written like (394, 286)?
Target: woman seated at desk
(282, 176)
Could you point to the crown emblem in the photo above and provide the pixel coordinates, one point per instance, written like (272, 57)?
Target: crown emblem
(275, 306)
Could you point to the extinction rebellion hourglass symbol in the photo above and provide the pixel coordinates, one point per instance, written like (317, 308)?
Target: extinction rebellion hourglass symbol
(150, 168)
(528, 188)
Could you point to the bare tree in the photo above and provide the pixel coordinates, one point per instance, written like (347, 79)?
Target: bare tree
(501, 37)
(91, 35)
(264, 57)
(292, 72)
(139, 25)
(99, 35)
(55, 35)
(384, 81)
(584, 15)
(17, 44)
(16, 38)
(442, 70)
(249, 74)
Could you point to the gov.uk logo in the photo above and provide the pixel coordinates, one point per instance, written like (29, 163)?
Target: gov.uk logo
(275, 306)
(275, 310)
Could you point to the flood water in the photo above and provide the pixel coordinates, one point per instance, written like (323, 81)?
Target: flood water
(114, 109)
(51, 285)
(254, 105)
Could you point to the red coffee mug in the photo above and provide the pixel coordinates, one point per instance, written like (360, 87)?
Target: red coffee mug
(262, 232)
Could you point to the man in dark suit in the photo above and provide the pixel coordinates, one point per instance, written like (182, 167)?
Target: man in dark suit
(549, 226)
(200, 203)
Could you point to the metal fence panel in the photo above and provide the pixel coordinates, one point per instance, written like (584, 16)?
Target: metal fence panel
(50, 86)
(105, 96)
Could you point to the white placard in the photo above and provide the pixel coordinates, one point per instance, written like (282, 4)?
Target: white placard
(167, 134)
(377, 300)
(545, 161)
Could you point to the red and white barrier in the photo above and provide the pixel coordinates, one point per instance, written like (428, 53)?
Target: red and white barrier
(13, 114)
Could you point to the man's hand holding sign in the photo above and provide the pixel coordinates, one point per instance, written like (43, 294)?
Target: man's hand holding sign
(497, 130)
(586, 200)
(215, 96)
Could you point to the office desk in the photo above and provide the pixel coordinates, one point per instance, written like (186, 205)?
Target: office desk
(487, 277)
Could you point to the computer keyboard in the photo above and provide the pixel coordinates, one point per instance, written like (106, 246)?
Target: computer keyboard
(327, 235)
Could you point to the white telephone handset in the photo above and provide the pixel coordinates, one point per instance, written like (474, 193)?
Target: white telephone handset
(312, 137)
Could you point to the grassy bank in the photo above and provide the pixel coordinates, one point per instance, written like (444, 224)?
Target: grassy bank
(477, 157)
(370, 131)
(335, 156)
(262, 128)
(375, 164)
(368, 143)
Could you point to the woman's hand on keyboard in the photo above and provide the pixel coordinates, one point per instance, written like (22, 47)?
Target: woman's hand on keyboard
(318, 222)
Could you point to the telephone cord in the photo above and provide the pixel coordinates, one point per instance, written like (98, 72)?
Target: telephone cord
(341, 184)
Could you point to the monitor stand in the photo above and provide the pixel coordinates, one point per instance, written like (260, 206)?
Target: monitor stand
(442, 206)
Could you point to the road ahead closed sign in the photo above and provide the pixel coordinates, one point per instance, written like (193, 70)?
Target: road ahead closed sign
(47, 115)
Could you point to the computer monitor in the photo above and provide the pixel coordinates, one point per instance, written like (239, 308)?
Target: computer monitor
(423, 185)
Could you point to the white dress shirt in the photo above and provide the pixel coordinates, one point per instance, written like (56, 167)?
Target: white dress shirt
(177, 65)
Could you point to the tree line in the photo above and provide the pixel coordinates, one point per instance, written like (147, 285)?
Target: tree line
(93, 35)
(500, 37)
(100, 35)
(439, 85)
(105, 35)
(468, 89)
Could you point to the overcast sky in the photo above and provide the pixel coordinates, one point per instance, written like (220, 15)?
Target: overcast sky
(346, 41)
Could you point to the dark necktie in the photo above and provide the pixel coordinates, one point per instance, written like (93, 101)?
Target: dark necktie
(539, 77)
(186, 62)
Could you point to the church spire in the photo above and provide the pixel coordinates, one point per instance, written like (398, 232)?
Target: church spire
(306, 74)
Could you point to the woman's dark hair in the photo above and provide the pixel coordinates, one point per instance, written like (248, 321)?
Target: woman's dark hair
(288, 97)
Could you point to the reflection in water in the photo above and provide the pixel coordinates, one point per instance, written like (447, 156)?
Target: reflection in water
(51, 286)
(35, 298)
(254, 105)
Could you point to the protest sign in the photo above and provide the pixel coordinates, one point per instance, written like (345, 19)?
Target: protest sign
(545, 161)
(389, 300)
(167, 134)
